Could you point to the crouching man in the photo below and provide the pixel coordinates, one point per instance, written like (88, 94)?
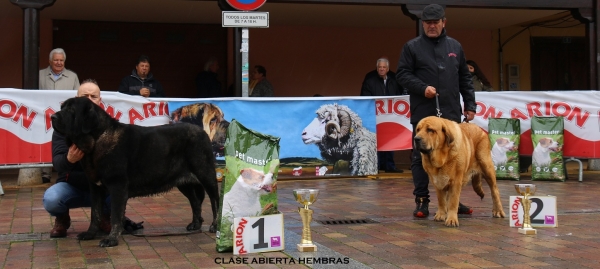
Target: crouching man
(72, 188)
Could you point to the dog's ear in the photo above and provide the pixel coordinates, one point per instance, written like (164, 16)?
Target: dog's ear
(446, 130)
(86, 117)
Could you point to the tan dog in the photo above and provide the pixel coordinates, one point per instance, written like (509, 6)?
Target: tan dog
(453, 154)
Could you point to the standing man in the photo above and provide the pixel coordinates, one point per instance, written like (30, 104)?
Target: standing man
(382, 82)
(56, 77)
(207, 83)
(141, 81)
(433, 68)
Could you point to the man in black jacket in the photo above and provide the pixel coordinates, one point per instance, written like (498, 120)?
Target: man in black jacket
(72, 187)
(382, 82)
(433, 68)
(141, 81)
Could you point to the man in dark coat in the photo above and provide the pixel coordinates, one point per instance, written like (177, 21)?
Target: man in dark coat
(382, 82)
(207, 83)
(433, 69)
(141, 81)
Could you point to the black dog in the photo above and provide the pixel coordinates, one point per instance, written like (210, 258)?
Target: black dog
(127, 161)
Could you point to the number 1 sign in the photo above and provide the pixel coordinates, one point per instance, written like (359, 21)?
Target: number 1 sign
(258, 234)
(542, 212)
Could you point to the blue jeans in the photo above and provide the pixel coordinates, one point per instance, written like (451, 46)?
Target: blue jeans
(62, 196)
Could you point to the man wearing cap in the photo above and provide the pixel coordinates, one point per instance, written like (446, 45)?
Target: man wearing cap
(434, 65)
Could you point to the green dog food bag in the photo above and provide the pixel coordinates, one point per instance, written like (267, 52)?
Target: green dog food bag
(505, 137)
(547, 135)
(249, 186)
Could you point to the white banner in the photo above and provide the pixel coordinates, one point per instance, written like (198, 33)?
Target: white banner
(25, 127)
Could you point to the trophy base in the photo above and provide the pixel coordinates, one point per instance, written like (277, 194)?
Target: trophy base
(527, 231)
(306, 248)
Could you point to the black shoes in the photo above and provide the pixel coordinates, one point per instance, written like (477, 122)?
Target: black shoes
(463, 209)
(422, 210)
(394, 170)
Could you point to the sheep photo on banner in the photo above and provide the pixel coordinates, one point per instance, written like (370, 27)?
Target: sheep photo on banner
(319, 137)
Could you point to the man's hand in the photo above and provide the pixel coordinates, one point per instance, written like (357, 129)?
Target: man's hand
(430, 92)
(469, 115)
(145, 92)
(74, 154)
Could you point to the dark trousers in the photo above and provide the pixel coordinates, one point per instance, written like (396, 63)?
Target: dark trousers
(420, 177)
(386, 160)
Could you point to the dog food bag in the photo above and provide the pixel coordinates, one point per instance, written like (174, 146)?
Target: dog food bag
(505, 137)
(249, 187)
(547, 157)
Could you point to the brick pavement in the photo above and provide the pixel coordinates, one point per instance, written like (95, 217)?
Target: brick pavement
(397, 240)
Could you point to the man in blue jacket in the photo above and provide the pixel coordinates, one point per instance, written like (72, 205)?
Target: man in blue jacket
(433, 69)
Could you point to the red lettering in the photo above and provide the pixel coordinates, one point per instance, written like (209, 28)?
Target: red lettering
(579, 118)
(561, 109)
(48, 122)
(12, 107)
(401, 107)
(239, 243)
(517, 114)
(379, 107)
(547, 108)
(534, 109)
(149, 109)
(27, 119)
(163, 109)
(243, 251)
(134, 115)
(111, 111)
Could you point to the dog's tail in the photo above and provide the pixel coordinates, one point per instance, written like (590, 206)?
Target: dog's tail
(476, 182)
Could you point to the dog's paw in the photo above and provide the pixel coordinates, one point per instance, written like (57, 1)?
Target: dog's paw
(194, 226)
(86, 236)
(213, 228)
(452, 222)
(439, 216)
(498, 213)
(108, 242)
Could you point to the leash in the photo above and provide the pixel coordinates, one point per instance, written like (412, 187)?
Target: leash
(439, 112)
(437, 106)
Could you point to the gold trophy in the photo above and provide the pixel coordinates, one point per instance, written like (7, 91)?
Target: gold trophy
(526, 190)
(306, 197)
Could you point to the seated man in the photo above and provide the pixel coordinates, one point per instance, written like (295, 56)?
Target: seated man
(72, 188)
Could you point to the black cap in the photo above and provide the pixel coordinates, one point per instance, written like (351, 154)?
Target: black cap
(433, 12)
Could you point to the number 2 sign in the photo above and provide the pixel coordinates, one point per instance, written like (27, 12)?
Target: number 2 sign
(541, 214)
(258, 234)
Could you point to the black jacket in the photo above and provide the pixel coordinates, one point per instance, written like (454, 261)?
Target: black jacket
(441, 63)
(373, 85)
(132, 85)
(71, 173)
(208, 85)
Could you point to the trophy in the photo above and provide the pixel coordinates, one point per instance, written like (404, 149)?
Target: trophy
(306, 197)
(526, 190)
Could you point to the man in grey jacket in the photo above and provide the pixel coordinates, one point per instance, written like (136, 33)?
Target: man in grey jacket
(56, 77)
(433, 69)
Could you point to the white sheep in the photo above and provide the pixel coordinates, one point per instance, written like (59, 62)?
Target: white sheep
(339, 134)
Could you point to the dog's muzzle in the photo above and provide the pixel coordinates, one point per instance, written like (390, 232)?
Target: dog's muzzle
(418, 145)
